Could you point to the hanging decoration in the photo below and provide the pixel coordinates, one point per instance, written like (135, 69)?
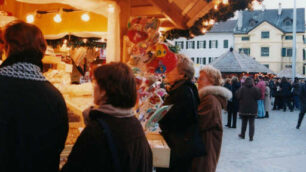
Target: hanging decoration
(75, 42)
(221, 12)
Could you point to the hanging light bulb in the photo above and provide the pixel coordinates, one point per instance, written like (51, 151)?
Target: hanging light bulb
(85, 17)
(30, 18)
(203, 30)
(225, 2)
(57, 18)
(211, 21)
(85, 40)
(216, 7)
(111, 8)
(205, 23)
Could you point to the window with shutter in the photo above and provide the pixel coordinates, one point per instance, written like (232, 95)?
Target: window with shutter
(204, 46)
(192, 58)
(289, 52)
(198, 44)
(193, 44)
(198, 60)
(216, 43)
(187, 45)
(225, 44)
(283, 52)
(304, 54)
(209, 43)
(304, 70)
(203, 60)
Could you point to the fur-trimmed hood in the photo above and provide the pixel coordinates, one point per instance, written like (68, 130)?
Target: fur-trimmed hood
(216, 91)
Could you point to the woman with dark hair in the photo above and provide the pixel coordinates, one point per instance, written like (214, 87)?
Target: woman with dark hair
(113, 139)
(285, 94)
(33, 114)
(247, 96)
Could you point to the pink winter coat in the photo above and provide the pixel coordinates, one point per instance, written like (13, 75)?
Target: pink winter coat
(262, 86)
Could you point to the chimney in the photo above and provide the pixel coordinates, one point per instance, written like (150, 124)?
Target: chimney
(240, 20)
(279, 9)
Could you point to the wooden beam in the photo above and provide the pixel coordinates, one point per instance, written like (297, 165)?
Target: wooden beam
(125, 13)
(198, 10)
(172, 12)
(145, 11)
(189, 6)
(166, 23)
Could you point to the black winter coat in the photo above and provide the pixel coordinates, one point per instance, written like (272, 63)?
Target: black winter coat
(185, 99)
(248, 97)
(302, 97)
(235, 101)
(33, 125)
(181, 115)
(91, 152)
(285, 89)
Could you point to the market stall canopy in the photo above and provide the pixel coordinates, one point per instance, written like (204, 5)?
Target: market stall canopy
(233, 62)
(288, 74)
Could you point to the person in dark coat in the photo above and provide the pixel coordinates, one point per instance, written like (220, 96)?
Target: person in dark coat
(248, 96)
(114, 97)
(33, 117)
(302, 96)
(235, 103)
(227, 84)
(295, 93)
(285, 94)
(183, 95)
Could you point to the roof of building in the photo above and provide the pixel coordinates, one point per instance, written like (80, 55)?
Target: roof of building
(283, 22)
(288, 74)
(233, 62)
(221, 27)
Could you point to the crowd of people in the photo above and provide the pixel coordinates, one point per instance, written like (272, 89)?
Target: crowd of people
(281, 93)
(34, 124)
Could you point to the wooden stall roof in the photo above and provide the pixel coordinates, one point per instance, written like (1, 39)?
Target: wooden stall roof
(179, 14)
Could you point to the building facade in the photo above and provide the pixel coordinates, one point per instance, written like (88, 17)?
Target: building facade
(267, 36)
(205, 48)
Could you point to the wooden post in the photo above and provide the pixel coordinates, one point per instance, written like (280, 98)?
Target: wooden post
(125, 13)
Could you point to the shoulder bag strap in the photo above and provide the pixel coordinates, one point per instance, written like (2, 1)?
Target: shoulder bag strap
(111, 145)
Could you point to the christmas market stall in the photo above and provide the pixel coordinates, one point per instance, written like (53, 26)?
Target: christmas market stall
(131, 31)
(234, 63)
(287, 73)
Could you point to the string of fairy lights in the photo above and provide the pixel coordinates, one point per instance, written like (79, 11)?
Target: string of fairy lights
(221, 11)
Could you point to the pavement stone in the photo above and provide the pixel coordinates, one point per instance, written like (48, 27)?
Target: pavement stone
(277, 147)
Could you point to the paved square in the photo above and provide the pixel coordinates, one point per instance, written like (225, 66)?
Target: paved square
(277, 147)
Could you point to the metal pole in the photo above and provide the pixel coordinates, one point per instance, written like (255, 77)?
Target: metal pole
(294, 43)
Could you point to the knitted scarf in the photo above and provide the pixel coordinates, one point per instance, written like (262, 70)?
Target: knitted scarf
(23, 70)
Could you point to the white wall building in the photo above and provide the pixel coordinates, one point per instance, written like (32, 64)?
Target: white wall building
(205, 48)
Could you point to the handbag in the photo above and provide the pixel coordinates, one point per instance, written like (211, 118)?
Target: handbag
(186, 144)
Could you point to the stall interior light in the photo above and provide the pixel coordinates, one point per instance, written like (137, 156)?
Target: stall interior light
(205, 23)
(225, 2)
(211, 21)
(30, 18)
(57, 18)
(85, 40)
(216, 7)
(111, 8)
(204, 30)
(85, 17)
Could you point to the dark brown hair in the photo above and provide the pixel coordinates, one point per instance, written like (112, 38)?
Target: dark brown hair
(118, 81)
(24, 43)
